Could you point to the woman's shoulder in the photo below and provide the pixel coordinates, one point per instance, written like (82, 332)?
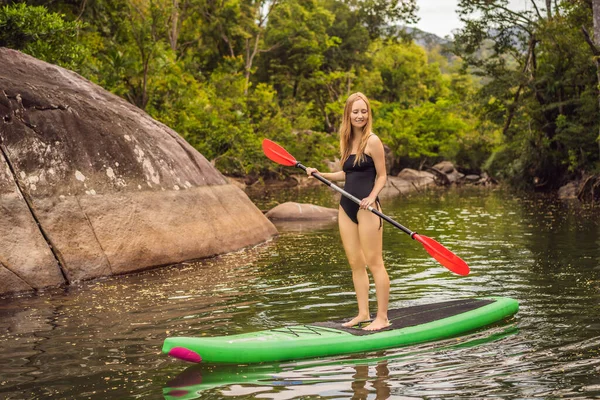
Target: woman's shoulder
(373, 141)
(374, 146)
(373, 137)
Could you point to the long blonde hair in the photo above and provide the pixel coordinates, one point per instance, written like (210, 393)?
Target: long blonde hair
(346, 130)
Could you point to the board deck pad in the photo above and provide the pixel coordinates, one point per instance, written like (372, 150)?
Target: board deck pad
(414, 315)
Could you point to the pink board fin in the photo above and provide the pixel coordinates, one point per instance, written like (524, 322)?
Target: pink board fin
(185, 354)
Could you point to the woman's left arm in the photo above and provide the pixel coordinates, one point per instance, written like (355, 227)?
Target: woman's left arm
(375, 150)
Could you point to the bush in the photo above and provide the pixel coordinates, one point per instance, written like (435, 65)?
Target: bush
(42, 34)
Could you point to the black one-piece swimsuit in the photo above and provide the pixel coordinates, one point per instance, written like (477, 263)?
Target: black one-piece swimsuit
(360, 179)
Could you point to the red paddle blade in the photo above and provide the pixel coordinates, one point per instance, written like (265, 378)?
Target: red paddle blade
(444, 256)
(278, 154)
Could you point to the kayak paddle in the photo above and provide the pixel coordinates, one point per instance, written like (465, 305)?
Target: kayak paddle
(444, 256)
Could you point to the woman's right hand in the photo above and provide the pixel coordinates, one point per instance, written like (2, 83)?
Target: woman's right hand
(310, 171)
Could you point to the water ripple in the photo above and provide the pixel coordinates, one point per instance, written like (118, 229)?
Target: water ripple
(102, 339)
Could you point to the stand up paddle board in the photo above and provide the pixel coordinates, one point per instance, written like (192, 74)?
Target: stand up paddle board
(409, 325)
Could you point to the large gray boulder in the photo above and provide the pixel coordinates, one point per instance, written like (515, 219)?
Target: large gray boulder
(91, 186)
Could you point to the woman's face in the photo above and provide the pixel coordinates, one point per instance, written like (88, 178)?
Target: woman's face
(360, 114)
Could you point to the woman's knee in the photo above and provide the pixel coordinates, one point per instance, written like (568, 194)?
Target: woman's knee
(356, 262)
(376, 264)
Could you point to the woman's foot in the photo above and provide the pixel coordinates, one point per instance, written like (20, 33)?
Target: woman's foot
(356, 321)
(377, 324)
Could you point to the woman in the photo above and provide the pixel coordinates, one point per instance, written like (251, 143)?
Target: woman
(363, 170)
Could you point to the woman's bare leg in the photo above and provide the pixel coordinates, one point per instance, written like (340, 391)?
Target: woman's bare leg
(356, 259)
(370, 234)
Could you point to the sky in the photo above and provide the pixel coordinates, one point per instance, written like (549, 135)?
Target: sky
(439, 16)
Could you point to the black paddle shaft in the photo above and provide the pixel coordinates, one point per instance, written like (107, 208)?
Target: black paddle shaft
(357, 201)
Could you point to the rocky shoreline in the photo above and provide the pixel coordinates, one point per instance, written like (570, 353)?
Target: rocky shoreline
(303, 216)
(300, 216)
(92, 186)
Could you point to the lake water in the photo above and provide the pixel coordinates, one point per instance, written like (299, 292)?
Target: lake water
(102, 339)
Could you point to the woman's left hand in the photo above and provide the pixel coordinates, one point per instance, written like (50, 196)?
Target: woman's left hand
(367, 202)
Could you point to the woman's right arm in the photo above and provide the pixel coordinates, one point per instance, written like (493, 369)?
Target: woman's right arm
(331, 176)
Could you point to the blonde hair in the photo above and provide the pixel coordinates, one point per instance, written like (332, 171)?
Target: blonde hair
(346, 130)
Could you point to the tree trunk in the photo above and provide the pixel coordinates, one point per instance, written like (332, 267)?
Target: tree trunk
(174, 32)
(252, 48)
(251, 51)
(596, 18)
(529, 65)
(549, 9)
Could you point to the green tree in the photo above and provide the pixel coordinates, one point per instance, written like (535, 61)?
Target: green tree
(227, 74)
(403, 74)
(297, 32)
(424, 134)
(42, 34)
(351, 38)
(540, 82)
(379, 16)
(232, 29)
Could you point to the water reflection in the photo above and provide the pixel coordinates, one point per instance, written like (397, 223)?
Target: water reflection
(372, 375)
(378, 383)
(102, 339)
(303, 226)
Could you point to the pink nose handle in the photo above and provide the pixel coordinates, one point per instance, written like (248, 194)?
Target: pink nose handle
(185, 354)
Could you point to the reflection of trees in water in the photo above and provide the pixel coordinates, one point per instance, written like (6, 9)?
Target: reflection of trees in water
(105, 336)
(562, 238)
(106, 329)
(28, 331)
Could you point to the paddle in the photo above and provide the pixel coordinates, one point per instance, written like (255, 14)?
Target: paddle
(444, 256)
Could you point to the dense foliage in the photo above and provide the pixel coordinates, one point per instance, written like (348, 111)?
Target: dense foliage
(541, 84)
(227, 73)
(44, 35)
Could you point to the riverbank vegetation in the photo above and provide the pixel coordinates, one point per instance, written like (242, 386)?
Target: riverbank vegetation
(515, 93)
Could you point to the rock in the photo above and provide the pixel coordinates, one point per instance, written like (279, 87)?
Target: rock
(26, 261)
(448, 169)
(407, 180)
(445, 166)
(395, 186)
(569, 191)
(418, 177)
(238, 182)
(389, 158)
(291, 211)
(91, 186)
(472, 178)
(334, 166)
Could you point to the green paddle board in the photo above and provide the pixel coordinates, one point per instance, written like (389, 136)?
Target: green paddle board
(409, 325)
